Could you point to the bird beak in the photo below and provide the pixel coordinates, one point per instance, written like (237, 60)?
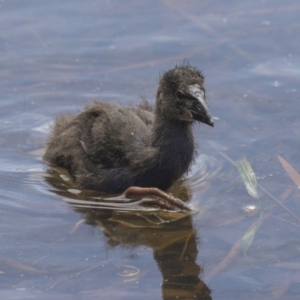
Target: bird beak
(200, 109)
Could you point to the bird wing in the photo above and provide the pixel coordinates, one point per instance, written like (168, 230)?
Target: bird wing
(117, 134)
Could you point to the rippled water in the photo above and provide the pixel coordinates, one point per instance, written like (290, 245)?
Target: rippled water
(56, 57)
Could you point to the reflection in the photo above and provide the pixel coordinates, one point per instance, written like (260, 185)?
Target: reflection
(170, 235)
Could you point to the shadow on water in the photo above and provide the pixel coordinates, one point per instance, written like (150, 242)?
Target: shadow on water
(171, 235)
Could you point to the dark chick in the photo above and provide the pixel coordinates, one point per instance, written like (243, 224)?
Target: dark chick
(111, 148)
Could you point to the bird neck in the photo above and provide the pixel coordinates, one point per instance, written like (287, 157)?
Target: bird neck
(166, 131)
(172, 151)
(174, 142)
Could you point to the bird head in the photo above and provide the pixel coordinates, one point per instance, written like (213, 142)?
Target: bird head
(181, 95)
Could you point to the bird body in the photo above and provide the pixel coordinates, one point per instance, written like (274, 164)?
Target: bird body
(110, 148)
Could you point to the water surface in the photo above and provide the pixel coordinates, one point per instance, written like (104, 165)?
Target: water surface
(56, 57)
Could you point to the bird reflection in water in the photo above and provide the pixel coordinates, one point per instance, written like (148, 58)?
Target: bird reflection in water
(170, 235)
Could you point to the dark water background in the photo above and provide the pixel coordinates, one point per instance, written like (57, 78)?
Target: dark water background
(58, 56)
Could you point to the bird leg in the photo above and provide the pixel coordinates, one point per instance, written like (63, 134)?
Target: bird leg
(165, 200)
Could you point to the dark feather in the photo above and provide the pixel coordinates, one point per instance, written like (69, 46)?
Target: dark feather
(110, 148)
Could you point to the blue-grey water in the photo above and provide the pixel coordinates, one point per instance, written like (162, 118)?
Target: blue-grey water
(58, 56)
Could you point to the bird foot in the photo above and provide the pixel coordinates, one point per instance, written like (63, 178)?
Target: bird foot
(165, 201)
